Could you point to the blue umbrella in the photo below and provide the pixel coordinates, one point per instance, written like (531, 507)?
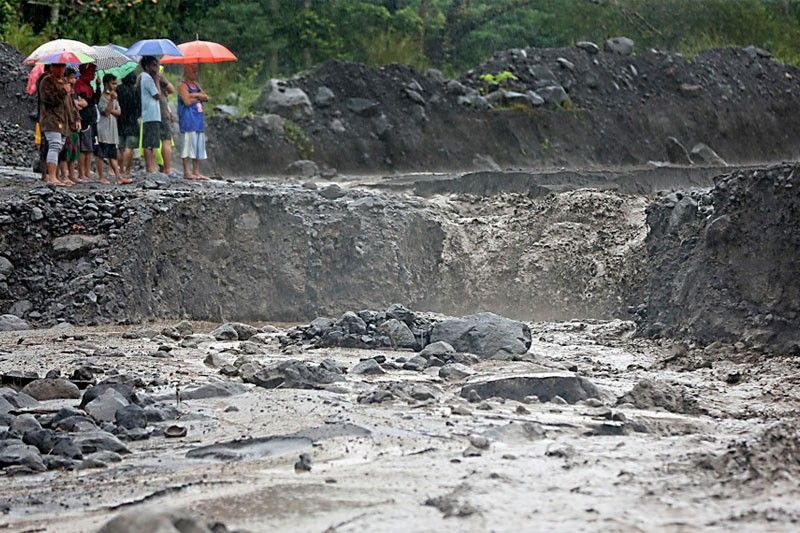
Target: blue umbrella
(154, 47)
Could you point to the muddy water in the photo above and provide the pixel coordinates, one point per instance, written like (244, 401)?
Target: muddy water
(547, 466)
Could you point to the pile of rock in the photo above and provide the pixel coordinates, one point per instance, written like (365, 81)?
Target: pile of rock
(16, 125)
(38, 438)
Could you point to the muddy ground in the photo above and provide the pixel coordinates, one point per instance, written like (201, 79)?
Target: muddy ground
(596, 465)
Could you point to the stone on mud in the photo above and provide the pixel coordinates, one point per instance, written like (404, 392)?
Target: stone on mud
(398, 333)
(217, 389)
(126, 391)
(455, 371)
(293, 374)
(95, 441)
(14, 453)
(288, 102)
(232, 331)
(12, 323)
(24, 423)
(52, 389)
(352, 323)
(104, 407)
(367, 367)
(570, 387)
(649, 394)
(303, 168)
(484, 334)
(130, 417)
(153, 521)
(437, 349)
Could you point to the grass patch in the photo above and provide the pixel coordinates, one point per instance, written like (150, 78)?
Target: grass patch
(298, 138)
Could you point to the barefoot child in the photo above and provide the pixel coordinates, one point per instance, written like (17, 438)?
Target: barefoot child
(107, 132)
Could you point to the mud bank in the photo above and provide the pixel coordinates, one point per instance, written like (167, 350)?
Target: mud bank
(272, 252)
(614, 110)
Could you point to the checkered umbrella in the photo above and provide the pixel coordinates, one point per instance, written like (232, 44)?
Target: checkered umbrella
(107, 57)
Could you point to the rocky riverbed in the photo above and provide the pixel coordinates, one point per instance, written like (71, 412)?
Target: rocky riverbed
(590, 426)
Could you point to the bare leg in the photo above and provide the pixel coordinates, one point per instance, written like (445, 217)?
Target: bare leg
(101, 177)
(150, 160)
(166, 154)
(196, 170)
(127, 162)
(186, 174)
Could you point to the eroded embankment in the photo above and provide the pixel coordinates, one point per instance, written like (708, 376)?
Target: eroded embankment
(725, 261)
(290, 253)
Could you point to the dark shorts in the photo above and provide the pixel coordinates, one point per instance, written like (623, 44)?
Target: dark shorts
(106, 151)
(86, 141)
(151, 134)
(166, 133)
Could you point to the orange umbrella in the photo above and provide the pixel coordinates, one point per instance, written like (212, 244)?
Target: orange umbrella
(200, 52)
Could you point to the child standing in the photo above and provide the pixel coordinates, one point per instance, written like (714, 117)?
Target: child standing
(107, 132)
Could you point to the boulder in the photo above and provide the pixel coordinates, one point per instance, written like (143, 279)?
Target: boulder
(677, 154)
(74, 246)
(6, 267)
(456, 88)
(14, 453)
(565, 63)
(96, 441)
(702, 154)
(484, 334)
(568, 386)
(535, 99)
(302, 168)
(52, 389)
(435, 75)
(352, 323)
(319, 326)
(553, 94)
(270, 122)
(455, 371)
(217, 389)
(288, 102)
(619, 45)
(126, 391)
(104, 407)
(12, 323)
(437, 349)
(398, 333)
(367, 367)
(24, 423)
(324, 97)
(130, 417)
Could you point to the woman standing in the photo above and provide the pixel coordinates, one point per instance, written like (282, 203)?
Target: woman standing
(57, 119)
(192, 122)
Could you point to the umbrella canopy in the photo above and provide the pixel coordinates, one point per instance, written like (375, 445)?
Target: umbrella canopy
(33, 77)
(59, 45)
(65, 57)
(153, 47)
(107, 57)
(200, 52)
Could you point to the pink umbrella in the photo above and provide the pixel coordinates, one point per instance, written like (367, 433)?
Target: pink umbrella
(33, 77)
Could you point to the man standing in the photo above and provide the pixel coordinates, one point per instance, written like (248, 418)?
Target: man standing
(151, 111)
(88, 135)
(128, 122)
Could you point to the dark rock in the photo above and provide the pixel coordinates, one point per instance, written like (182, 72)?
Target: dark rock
(24, 423)
(570, 387)
(155, 521)
(416, 364)
(332, 192)
(293, 374)
(455, 371)
(319, 326)
(324, 97)
(438, 349)
(553, 94)
(401, 313)
(126, 391)
(367, 367)
(14, 452)
(302, 168)
(649, 394)
(104, 407)
(484, 334)
(398, 333)
(676, 152)
(588, 47)
(18, 400)
(95, 441)
(52, 389)
(352, 323)
(130, 417)
(217, 389)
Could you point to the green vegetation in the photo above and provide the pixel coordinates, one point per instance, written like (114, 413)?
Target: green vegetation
(298, 138)
(282, 37)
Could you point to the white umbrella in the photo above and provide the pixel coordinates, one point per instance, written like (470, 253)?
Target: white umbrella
(58, 46)
(107, 57)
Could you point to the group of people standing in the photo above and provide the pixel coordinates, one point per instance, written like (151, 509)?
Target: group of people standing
(107, 123)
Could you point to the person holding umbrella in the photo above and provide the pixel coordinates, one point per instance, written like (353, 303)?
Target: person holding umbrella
(191, 120)
(56, 118)
(88, 136)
